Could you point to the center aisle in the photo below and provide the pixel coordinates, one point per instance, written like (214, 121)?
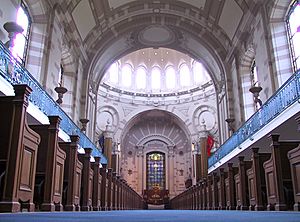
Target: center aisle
(154, 215)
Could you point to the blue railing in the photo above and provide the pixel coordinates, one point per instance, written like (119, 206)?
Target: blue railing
(15, 73)
(286, 95)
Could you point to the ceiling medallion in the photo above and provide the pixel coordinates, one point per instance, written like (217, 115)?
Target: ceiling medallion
(156, 36)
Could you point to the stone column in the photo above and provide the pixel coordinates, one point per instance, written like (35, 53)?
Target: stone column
(141, 172)
(171, 156)
(203, 150)
(108, 144)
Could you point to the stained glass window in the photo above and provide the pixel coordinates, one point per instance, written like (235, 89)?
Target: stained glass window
(293, 22)
(19, 49)
(155, 171)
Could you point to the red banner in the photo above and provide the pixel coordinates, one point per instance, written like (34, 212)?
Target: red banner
(209, 144)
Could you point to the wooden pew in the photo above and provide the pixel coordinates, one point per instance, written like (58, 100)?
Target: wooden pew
(214, 191)
(103, 187)
(278, 174)
(256, 181)
(200, 197)
(86, 180)
(203, 194)
(96, 185)
(18, 156)
(50, 167)
(230, 187)
(208, 193)
(241, 184)
(109, 188)
(72, 175)
(221, 189)
(114, 191)
(294, 158)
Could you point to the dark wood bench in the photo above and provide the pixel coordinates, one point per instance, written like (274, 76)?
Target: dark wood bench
(221, 189)
(230, 187)
(96, 185)
(18, 156)
(104, 187)
(86, 180)
(256, 181)
(109, 188)
(241, 184)
(294, 158)
(214, 191)
(72, 175)
(208, 193)
(278, 174)
(50, 167)
(203, 193)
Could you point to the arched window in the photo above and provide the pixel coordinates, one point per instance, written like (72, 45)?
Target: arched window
(114, 73)
(200, 74)
(155, 78)
(19, 49)
(126, 75)
(156, 171)
(184, 75)
(141, 78)
(170, 78)
(293, 23)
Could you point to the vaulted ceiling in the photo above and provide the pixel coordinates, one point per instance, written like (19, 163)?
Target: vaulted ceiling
(204, 29)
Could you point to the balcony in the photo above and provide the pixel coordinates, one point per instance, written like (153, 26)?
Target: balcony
(41, 103)
(276, 114)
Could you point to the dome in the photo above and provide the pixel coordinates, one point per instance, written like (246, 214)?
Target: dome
(160, 72)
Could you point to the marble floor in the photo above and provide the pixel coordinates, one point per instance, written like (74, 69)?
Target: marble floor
(153, 215)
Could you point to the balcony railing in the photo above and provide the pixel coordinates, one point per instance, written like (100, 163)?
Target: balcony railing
(285, 96)
(15, 73)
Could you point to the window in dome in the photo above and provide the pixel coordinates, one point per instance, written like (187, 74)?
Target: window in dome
(19, 49)
(126, 76)
(170, 78)
(155, 78)
(141, 78)
(184, 75)
(114, 73)
(293, 23)
(200, 74)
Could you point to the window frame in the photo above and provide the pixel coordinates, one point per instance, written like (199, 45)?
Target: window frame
(290, 36)
(23, 60)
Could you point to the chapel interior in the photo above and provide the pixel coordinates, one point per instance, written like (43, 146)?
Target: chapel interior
(110, 105)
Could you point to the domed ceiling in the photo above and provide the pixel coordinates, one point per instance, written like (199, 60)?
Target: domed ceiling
(157, 72)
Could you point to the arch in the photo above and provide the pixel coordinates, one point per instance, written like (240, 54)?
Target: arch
(138, 116)
(208, 47)
(159, 137)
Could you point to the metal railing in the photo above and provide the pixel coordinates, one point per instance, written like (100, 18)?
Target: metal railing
(15, 73)
(285, 96)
